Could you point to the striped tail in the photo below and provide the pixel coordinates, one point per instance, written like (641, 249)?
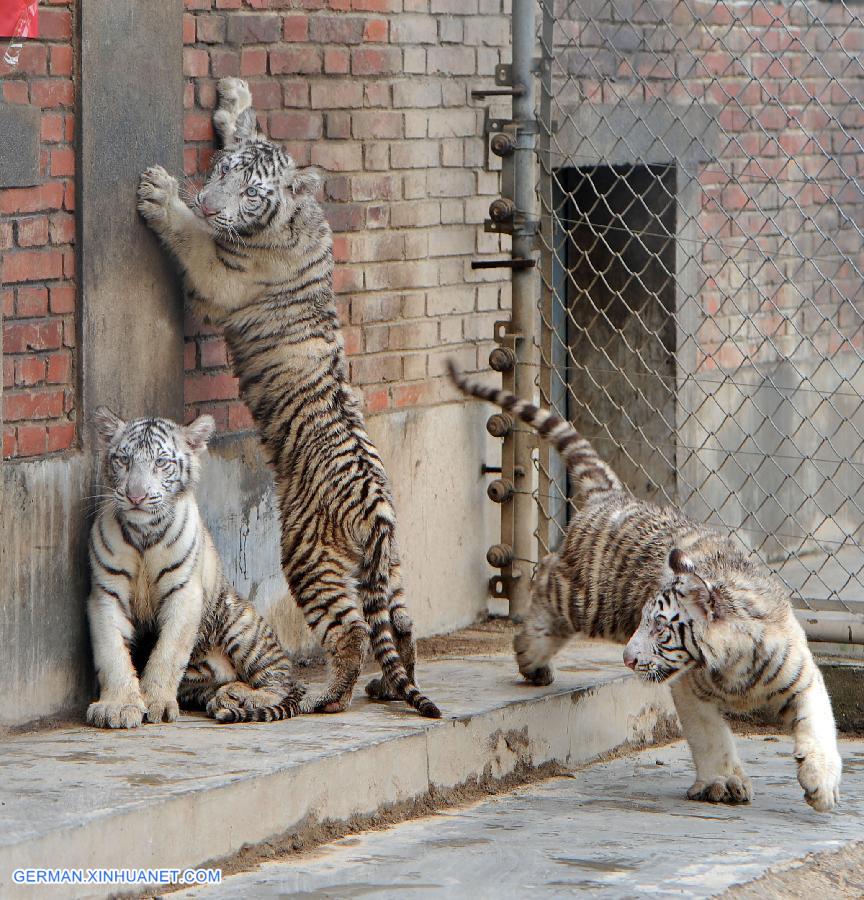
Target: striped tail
(375, 589)
(587, 470)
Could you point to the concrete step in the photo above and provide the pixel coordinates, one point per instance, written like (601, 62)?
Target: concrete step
(617, 829)
(180, 795)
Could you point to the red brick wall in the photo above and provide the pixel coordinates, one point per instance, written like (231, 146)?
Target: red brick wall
(37, 261)
(375, 94)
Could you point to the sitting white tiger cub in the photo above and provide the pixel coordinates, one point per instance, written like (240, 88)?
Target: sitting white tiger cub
(155, 571)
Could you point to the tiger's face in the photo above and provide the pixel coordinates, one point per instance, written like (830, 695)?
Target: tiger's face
(252, 190)
(665, 644)
(149, 463)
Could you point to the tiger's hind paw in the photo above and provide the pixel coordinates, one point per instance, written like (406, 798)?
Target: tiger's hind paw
(325, 704)
(381, 689)
(731, 789)
(540, 676)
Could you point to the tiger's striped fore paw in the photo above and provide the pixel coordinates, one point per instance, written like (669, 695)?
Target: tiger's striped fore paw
(235, 99)
(819, 775)
(162, 709)
(156, 190)
(126, 713)
(541, 676)
(736, 788)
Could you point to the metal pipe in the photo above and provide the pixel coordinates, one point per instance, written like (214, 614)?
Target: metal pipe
(832, 627)
(525, 293)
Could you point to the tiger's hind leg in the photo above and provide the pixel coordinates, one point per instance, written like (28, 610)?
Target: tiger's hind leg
(545, 630)
(234, 118)
(325, 588)
(381, 688)
(720, 777)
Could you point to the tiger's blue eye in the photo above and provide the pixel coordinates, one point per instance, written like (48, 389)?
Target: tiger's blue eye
(164, 461)
(224, 167)
(251, 192)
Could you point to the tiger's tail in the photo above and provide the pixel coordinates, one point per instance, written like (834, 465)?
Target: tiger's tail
(588, 471)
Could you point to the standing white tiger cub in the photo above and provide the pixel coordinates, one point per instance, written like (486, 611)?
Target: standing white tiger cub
(156, 573)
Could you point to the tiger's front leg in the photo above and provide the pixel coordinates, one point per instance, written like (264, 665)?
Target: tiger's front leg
(819, 762)
(720, 777)
(179, 620)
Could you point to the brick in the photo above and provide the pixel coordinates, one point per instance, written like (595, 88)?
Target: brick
(451, 61)
(210, 29)
(32, 231)
(295, 60)
(373, 61)
(52, 92)
(410, 335)
(62, 300)
(195, 62)
(336, 30)
(32, 265)
(239, 417)
(29, 370)
(304, 126)
(377, 125)
(408, 29)
(16, 92)
(253, 61)
(334, 95)
(21, 337)
(376, 369)
(59, 368)
(61, 228)
(266, 94)
(295, 28)
(60, 437)
(204, 387)
(44, 403)
(32, 60)
(52, 128)
(7, 235)
(55, 24)
(338, 157)
(254, 29)
(452, 123)
(417, 94)
(31, 303)
(31, 440)
(224, 63)
(337, 126)
(375, 31)
(188, 29)
(415, 155)
(10, 445)
(337, 61)
(376, 401)
(62, 162)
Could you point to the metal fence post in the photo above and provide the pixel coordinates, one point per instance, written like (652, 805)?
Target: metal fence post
(525, 292)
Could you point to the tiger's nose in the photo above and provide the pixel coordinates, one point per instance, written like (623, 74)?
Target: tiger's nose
(135, 499)
(629, 658)
(206, 211)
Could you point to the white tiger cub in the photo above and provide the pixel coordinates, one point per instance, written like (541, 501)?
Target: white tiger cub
(156, 572)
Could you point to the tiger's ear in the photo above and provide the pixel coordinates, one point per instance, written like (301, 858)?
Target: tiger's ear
(698, 593)
(108, 425)
(306, 182)
(680, 563)
(200, 431)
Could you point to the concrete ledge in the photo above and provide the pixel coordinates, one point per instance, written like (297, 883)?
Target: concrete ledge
(183, 794)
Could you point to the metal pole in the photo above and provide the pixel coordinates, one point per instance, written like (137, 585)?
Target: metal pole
(525, 294)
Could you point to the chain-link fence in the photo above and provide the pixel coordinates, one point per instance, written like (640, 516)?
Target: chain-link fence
(702, 313)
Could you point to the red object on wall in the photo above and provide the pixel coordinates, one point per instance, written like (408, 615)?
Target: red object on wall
(19, 18)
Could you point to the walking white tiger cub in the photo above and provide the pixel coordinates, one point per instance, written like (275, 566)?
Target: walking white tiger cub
(257, 258)
(155, 571)
(697, 611)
